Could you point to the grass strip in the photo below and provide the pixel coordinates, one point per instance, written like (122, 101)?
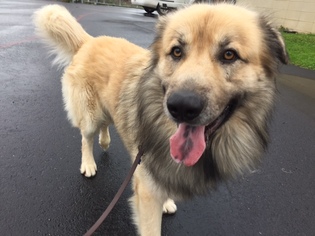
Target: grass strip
(301, 48)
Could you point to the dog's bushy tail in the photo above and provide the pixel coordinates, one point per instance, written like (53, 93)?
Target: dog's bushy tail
(60, 31)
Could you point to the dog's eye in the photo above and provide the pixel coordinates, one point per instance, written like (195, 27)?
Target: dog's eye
(229, 56)
(176, 52)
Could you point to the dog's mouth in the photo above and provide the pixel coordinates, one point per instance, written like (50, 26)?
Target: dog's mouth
(222, 118)
(189, 142)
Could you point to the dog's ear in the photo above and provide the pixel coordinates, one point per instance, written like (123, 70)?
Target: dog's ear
(160, 28)
(157, 42)
(161, 24)
(274, 41)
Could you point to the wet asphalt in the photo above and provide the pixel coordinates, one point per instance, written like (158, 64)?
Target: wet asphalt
(43, 193)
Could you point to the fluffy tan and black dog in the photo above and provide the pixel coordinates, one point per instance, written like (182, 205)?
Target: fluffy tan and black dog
(198, 101)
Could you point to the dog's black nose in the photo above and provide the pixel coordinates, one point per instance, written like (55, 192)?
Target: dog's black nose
(185, 105)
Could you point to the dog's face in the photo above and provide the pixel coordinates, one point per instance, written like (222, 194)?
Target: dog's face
(211, 60)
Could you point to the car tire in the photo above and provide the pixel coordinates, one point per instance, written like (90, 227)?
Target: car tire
(149, 9)
(161, 11)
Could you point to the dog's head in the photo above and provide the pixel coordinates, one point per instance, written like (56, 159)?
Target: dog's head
(217, 65)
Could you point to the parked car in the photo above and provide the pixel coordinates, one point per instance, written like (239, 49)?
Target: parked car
(150, 6)
(165, 6)
(171, 5)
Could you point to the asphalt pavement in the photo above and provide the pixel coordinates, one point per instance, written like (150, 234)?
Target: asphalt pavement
(43, 193)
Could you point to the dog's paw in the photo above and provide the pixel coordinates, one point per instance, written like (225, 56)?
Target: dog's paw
(169, 207)
(104, 140)
(88, 169)
(104, 145)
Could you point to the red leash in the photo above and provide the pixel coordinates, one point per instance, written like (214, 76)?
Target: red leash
(117, 196)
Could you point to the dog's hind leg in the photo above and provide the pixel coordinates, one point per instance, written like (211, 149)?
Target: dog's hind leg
(104, 137)
(84, 112)
(88, 165)
(90, 125)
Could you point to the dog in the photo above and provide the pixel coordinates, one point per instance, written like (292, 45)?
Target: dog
(198, 101)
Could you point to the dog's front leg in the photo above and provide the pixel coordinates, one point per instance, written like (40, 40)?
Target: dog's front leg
(147, 204)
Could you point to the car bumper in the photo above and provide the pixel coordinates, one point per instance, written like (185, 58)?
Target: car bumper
(145, 3)
(173, 4)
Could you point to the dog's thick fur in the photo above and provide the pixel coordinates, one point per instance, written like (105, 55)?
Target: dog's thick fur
(226, 55)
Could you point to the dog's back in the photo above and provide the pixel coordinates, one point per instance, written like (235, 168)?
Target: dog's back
(60, 31)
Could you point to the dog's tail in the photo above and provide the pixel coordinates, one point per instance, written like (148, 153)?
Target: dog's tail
(60, 31)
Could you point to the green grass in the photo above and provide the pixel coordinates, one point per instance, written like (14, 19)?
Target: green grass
(301, 48)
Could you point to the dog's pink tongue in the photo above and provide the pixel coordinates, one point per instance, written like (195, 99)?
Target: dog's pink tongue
(188, 144)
